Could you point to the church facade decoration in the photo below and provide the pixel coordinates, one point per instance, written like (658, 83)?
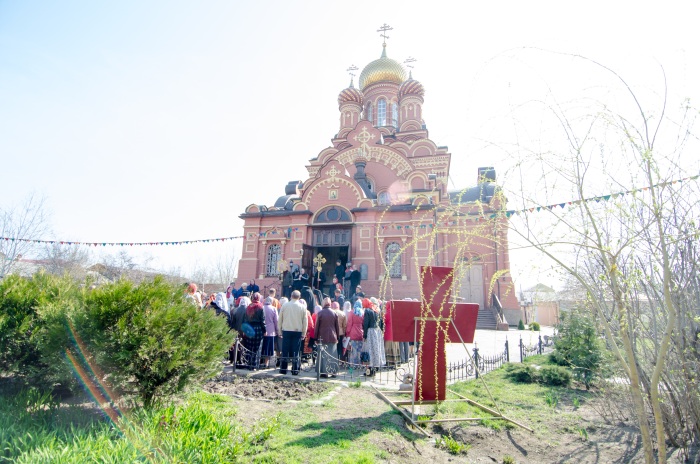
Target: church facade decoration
(378, 197)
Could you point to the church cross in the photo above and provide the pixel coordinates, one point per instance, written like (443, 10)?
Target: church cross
(384, 29)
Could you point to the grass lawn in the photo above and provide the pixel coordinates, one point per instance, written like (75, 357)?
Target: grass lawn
(343, 425)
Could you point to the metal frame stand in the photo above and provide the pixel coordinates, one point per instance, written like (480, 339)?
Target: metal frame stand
(411, 415)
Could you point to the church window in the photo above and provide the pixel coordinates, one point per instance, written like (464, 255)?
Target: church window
(368, 113)
(395, 115)
(393, 259)
(332, 214)
(274, 255)
(384, 198)
(381, 112)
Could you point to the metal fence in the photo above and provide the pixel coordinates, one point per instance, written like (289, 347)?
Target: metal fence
(333, 366)
(465, 369)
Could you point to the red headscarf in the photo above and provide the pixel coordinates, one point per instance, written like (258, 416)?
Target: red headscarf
(255, 305)
(366, 303)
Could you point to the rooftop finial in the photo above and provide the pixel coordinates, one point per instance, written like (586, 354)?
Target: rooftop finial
(384, 29)
(351, 70)
(409, 64)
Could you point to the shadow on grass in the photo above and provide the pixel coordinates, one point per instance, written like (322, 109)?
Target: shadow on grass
(342, 432)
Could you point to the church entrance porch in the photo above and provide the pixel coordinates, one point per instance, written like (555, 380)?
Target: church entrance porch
(334, 245)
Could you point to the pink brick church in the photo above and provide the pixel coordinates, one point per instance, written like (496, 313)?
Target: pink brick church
(378, 197)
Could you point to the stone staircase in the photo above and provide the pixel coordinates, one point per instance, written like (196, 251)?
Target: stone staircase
(486, 320)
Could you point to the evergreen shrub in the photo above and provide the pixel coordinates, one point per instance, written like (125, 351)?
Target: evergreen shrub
(33, 328)
(579, 347)
(555, 376)
(521, 373)
(535, 326)
(521, 326)
(149, 339)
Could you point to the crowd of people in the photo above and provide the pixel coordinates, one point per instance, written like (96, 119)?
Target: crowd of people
(348, 327)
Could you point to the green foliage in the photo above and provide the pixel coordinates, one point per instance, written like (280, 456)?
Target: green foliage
(521, 325)
(579, 347)
(555, 376)
(203, 428)
(576, 402)
(551, 375)
(508, 459)
(535, 326)
(551, 398)
(355, 384)
(451, 445)
(33, 329)
(152, 341)
(521, 373)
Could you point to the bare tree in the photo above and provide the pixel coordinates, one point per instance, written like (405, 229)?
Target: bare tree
(623, 237)
(66, 259)
(19, 226)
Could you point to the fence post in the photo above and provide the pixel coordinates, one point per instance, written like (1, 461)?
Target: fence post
(521, 349)
(540, 344)
(319, 347)
(235, 354)
(476, 362)
(507, 352)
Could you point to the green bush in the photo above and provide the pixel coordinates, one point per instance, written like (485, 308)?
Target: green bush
(579, 347)
(33, 328)
(521, 326)
(151, 341)
(555, 376)
(522, 373)
(535, 326)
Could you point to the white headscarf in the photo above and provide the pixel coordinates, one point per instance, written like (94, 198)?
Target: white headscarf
(222, 302)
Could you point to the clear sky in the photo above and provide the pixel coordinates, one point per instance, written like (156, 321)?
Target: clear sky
(162, 120)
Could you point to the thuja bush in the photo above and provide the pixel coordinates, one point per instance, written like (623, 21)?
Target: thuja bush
(33, 328)
(555, 376)
(150, 341)
(521, 373)
(579, 347)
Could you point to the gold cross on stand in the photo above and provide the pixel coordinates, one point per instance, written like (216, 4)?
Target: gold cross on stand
(318, 261)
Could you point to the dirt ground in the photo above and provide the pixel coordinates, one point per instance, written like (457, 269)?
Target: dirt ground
(364, 412)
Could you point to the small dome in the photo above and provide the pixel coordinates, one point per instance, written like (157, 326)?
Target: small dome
(382, 70)
(350, 95)
(411, 87)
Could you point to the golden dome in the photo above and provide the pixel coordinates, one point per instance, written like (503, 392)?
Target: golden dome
(382, 70)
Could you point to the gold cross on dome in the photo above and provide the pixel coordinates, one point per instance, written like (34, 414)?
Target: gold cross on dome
(384, 29)
(351, 70)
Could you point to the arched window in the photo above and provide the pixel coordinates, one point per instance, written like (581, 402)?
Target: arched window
(393, 259)
(368, 113)
(274, 255)
(381, 112)
(384, 198)
(395, 115)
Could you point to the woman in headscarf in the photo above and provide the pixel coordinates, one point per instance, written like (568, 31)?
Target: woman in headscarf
(253, 329)
(373, 336)
(355, 333)
(271, 330)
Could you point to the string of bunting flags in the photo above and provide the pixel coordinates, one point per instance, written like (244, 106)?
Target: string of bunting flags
(509, 213)
(287, 233)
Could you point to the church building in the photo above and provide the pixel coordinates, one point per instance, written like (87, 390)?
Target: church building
(378, 197)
